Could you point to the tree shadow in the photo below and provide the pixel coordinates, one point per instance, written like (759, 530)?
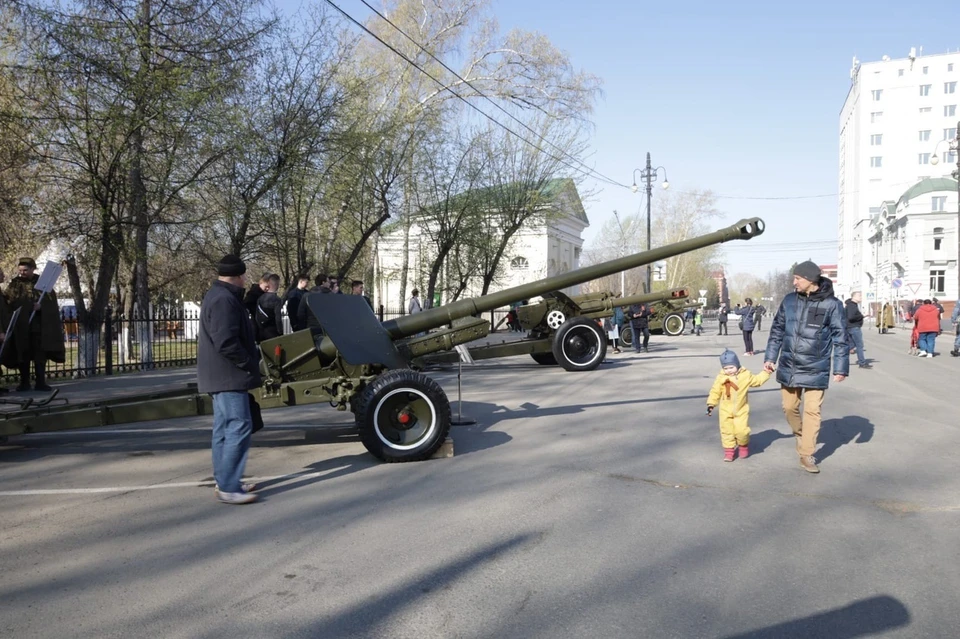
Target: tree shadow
(837, 432)
(317, 472)
(762, 440)
(859, 619)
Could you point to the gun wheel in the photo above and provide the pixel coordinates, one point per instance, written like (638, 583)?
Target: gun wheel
(579, 344)
(673, 325)
(555, 319)
(626, 336)
(403, 416)
(544, 359)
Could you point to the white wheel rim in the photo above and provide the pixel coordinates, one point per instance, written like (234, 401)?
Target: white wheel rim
(427, 433)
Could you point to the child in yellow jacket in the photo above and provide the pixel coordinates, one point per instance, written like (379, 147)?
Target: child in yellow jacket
(729, 392)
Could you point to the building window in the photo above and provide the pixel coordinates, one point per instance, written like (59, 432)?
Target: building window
(939, 203)
(936, 243)
(924, 158)
(519, 264)
(876, 139)
(876, 162)
(937, 281)
(900, 73)
(950, 66)
(874, 210)
(949, 134)
(950, 110)
(875, 117)
(949, 157)
(877, 94)
(925, 109)
(925, 70)
(925, 136)
(938, 230)
(949, 87)
(925, 89)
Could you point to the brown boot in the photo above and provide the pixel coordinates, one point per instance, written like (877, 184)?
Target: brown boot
(809, 464)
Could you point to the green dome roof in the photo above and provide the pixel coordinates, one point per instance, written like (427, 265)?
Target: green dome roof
(929, 185)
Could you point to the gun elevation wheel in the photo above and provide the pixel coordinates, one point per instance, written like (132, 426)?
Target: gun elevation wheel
(626, 336)
(580, 344)
(544, 359)
(673, 325)
(403, 416)
(555, 319)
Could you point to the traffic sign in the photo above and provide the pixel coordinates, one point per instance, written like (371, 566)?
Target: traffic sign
(914, 288)
(703, 292)
(897, 283)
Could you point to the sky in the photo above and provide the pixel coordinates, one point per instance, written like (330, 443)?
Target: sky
(740, 97)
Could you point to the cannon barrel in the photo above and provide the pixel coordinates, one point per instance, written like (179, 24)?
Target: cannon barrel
(604, 307)
(441, 315)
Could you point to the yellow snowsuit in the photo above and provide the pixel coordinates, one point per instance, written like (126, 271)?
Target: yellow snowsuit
(729, 395)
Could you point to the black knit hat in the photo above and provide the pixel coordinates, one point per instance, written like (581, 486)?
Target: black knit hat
(27, 261)
(231, 266)
(808, 271)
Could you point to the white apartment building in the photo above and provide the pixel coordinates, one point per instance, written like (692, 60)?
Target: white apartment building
(897, 115)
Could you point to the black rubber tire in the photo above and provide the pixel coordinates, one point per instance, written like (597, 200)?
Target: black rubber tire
(379, 407)
(671, 323)
(544, 359)
(580, 344)
(626, 337)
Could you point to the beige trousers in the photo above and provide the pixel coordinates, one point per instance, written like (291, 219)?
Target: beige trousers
(807, 427)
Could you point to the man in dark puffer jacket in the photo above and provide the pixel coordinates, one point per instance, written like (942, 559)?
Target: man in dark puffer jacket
(810, 325)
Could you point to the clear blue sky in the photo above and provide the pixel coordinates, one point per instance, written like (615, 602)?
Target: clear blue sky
(740, 97)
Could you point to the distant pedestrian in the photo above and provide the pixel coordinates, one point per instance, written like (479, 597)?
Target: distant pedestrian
(758, 315)
(927, 320)
(268, 317)
(293, 296)
(729, 392)
(808, 334)
(697, 322)
(955, 320)
(356, 288)
(855, 326)
(37, 335)
(414, 306)
(722, 314)
(639, 316)
(227, 368)
(747, 324)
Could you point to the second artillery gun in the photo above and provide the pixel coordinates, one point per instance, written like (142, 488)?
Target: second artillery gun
(361, 364)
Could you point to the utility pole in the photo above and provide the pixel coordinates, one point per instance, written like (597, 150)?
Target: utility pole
(956, 176)
(650, 175)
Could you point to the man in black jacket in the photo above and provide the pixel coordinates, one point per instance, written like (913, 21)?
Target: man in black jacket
(268, 318)
(855, 326)
(640, 323)
(293, 297)
(809, 327)
(228, 367)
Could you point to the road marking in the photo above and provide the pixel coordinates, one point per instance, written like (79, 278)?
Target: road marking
(190, 484)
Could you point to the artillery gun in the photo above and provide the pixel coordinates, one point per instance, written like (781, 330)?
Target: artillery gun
(543, 321)
(361, 364)
(666, 317)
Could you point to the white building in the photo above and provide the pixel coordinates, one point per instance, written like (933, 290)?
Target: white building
(898, 114)
(536, 251)
(908, 249)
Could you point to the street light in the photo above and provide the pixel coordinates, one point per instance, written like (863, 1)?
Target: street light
(623, 243)
(955, 147)
(650, 175)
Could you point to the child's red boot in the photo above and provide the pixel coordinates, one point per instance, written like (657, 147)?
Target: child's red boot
(728, 454)
(744, 451)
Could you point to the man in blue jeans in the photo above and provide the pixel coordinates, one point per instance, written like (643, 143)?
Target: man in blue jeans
(228, 367)
(855, 326)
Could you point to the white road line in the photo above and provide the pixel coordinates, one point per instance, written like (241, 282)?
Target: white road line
(182, 429)
(126, 489)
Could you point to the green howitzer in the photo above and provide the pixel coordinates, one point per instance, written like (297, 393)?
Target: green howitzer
(549, 340)
(359, 363)
(666, 318)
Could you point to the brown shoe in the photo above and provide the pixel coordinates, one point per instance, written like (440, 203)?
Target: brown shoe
(809, 464)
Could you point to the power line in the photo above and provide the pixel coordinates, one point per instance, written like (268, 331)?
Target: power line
(461, 98)
(590, 171)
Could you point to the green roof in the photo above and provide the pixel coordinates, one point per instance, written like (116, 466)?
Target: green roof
(929, 185)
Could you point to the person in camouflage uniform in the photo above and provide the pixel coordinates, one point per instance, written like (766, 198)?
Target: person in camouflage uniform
(36, 341)
(4, 319)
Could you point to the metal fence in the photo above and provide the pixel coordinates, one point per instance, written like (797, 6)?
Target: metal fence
(172, 331)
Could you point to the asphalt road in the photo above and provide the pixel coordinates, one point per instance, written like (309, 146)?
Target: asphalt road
(580, 505)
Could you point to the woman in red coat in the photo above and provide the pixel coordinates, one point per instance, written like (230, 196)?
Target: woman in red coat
(927, 319)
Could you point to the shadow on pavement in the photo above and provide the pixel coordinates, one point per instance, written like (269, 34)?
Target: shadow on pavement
(860, 619)
(837, 432)
(762, 440)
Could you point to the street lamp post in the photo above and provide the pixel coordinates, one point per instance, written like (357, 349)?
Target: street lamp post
(955, 147)
(650, 175)
(623, 243)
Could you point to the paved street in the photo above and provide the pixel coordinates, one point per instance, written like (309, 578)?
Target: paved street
(580, 505)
